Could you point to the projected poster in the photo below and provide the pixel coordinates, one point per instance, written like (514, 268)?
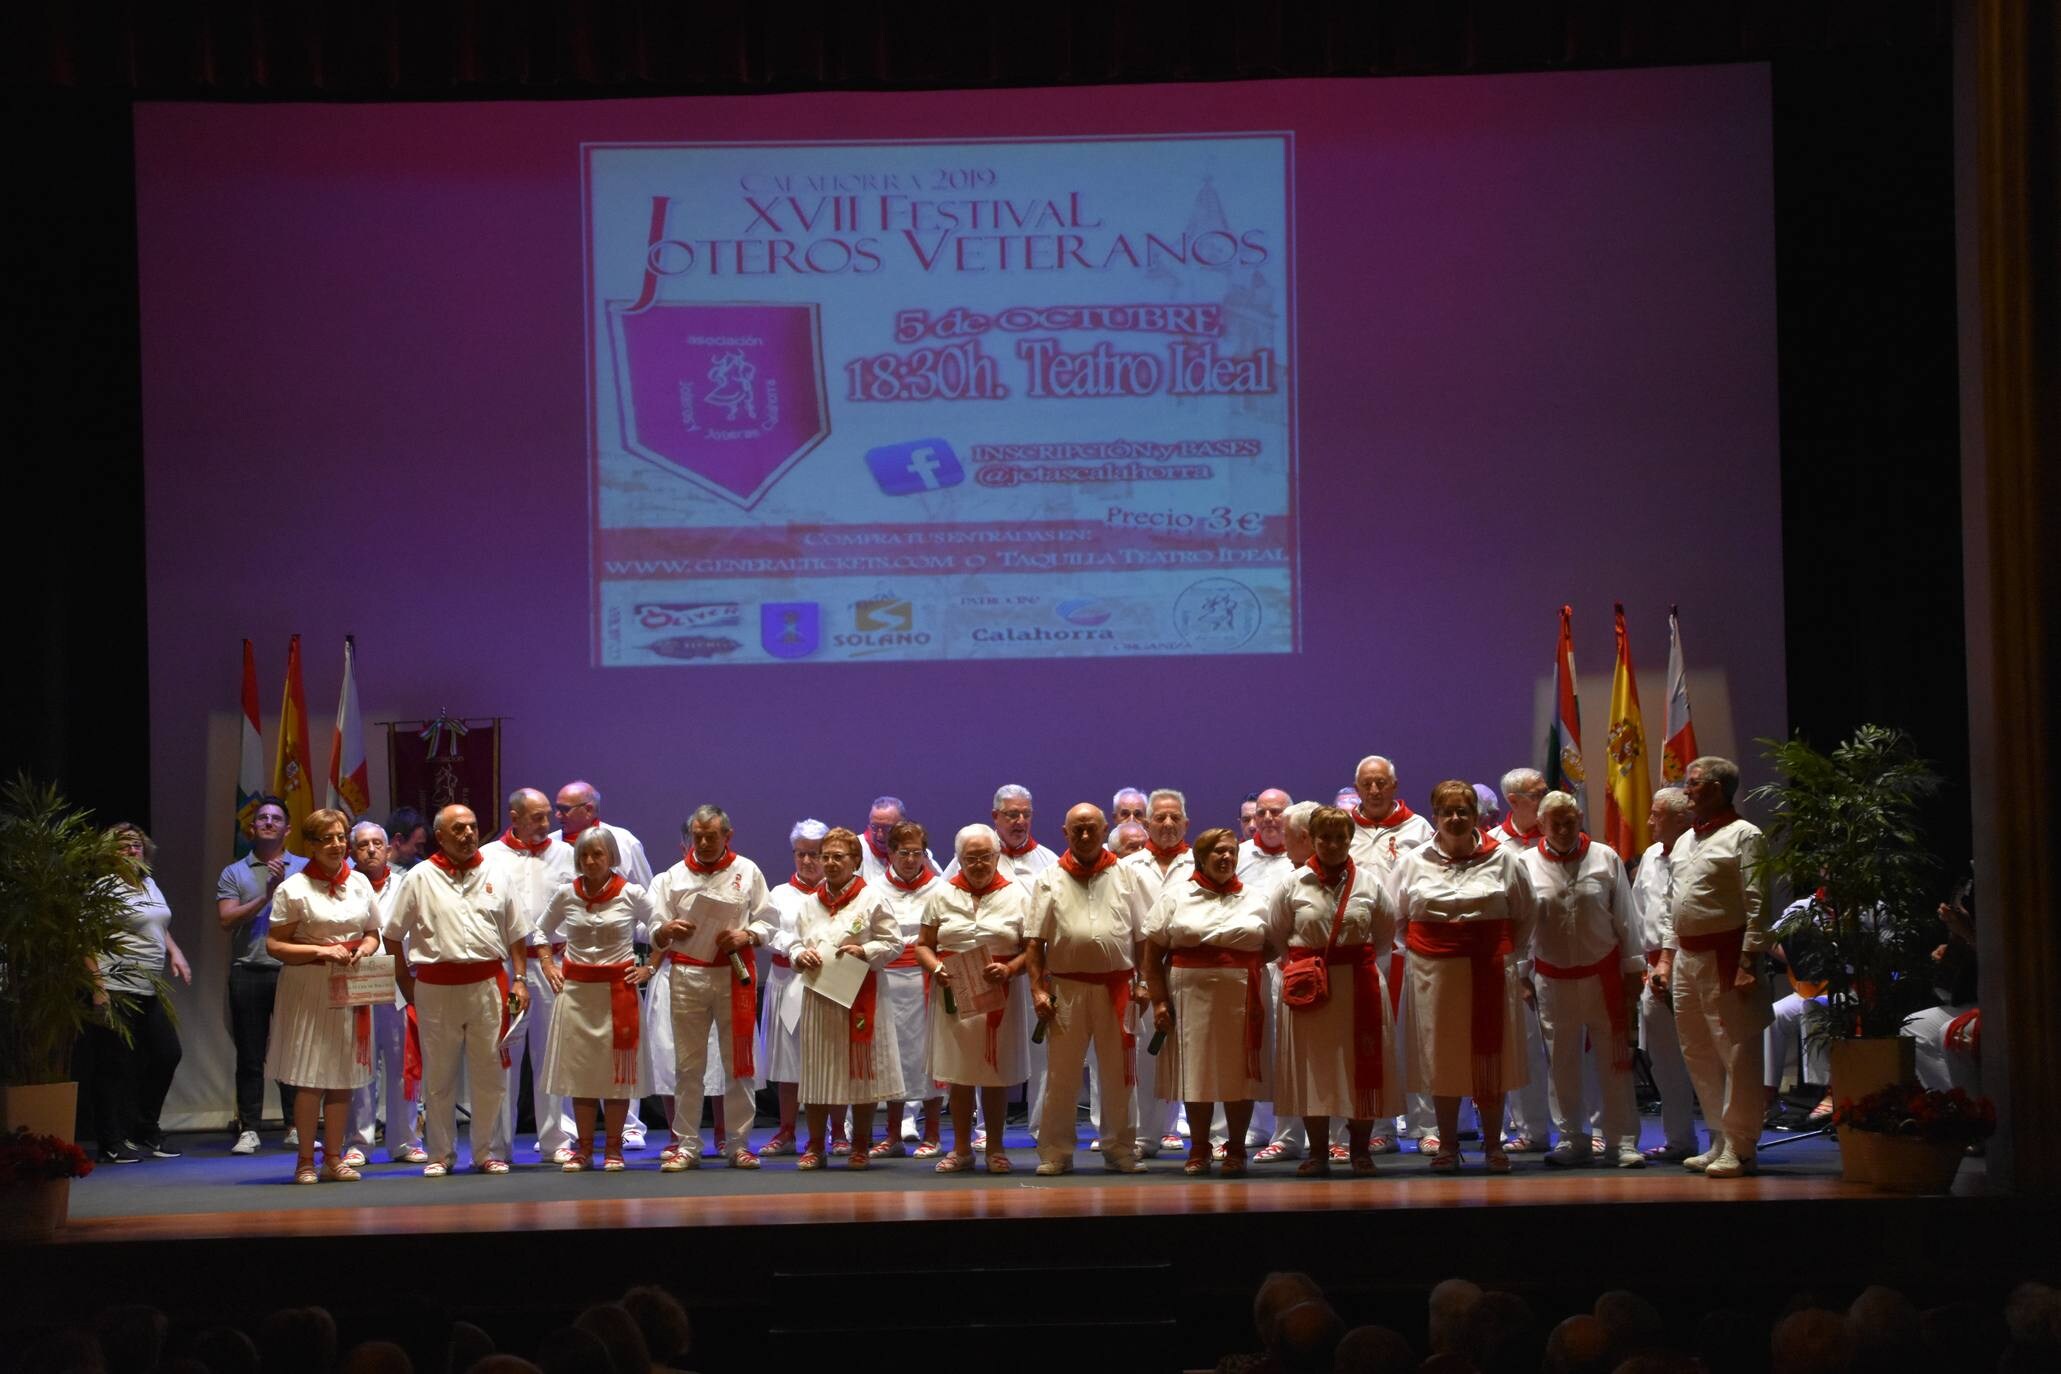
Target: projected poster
(923, 401)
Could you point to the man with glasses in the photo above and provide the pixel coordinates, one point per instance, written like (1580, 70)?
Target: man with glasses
(578, 806)
(536, 866)
(1385, 830)
(243, 905)
(1164, 861)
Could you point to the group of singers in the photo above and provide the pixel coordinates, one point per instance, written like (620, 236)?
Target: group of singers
(1362, 962)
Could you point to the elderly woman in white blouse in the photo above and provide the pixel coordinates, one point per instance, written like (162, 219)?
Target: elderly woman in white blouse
(324, 917)
(591, 1054)
(1466, 906)
(978, 908)
(1334, 1053)
(1206, 946)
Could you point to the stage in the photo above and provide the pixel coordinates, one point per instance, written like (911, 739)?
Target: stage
(1157, 1264)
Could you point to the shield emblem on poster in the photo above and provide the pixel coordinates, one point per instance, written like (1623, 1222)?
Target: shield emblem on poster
(729, 395)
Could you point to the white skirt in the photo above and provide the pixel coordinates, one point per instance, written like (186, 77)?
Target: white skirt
(959, 1047)
(826, 1054)
(1441, 1050)
(1313, 1057)
(902, 990)
(782, 1063)
(579, 1053)
(1204, 1058)
(312, 1044)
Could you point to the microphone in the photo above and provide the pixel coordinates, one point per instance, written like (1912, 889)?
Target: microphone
(951, 1006)
(737, 968)
(1038, 1035)
(1157, 1043)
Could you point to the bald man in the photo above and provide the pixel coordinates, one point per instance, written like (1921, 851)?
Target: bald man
(1385, 829)
(536, 866)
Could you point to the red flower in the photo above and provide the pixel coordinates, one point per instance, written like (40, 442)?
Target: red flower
(27, 1158)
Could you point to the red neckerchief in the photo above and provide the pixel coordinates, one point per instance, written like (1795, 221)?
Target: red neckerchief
(695, 865)
(1165, 857)
(1486, 847)
(508, 838)
(608, 892)
(1028, 845)
(1722, 818)
(1086, 875)
(836, 904)
(333, 881)
(798, 885)
(443, 861)
(379, 883)
(1208, 884)
(886, 856)
(1581, 850)
(900, 886)
(998, 881)
(1261, 846)
(1520, 837)
(1398, 812)
(1329, 876)
(570, 835)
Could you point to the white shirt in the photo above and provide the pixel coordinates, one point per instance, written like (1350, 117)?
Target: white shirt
(864, 920)
(738, 882)
(597, 932)
(1484, 886)
(1714, 885)
(1188, 915)
(1260, 870)
(1154, 880)
(304, 906)
(1583, 908)
(1380, 847)
(1090, 927)
(1649, 895)
(1301, 909)
(906, 906)
(533, 878)
(995, 921)
(460, 916)
(1018, 868)
(628, 848)
(784, 903)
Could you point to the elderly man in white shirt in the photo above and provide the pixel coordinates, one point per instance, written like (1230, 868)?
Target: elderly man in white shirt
(1586, 970)
(1667, 819)
(536, 866)
(454, 936)
(370, 854)
(1711, 948)
(1086, 916)
(1165, 861)
(1385, 829)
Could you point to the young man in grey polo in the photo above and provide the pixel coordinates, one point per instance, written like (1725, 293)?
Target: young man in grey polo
(243, 903)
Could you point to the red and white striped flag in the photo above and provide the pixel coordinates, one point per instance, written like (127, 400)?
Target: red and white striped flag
(1680, 749)
(350, 789)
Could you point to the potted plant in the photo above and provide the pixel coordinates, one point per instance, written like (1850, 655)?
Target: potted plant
(36, 1173)
(62, 912)
(1912, 1140)
(1842, 833)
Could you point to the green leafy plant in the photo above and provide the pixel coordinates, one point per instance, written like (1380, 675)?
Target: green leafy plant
(1843, 828)
(62, 913)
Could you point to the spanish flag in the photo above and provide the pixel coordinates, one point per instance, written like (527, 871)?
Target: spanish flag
(291, 781)
(1630, 797)
(1679, 750)
(1564, 770)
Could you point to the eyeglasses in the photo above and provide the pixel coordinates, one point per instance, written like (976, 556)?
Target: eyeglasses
(1013, 815)
(561, 809)
(909, 854)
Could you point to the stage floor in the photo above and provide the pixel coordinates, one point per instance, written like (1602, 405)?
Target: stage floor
(211, 1193)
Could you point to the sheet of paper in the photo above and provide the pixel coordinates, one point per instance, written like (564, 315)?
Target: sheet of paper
(367, 983)
(839, 977)
(711, 916)
(514, 1031)
(791, 1005)
(972, 993)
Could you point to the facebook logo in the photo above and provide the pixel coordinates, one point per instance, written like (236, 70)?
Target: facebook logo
(919, 465)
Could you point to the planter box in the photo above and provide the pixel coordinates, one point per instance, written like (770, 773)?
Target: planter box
(30, 1213)
(1899, 1164)
(1860, 1067)
(45, 1108)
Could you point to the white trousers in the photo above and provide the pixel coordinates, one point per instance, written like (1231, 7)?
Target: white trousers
(553, 1114)
(1789, 1038)
(1663, 1046)
(1034, 1092)
(389, 1046)
(1571, 1012)
(1083, 1020)
(701, 1003)
(1940, 1068)
(1720, 1028)
(459, 1025)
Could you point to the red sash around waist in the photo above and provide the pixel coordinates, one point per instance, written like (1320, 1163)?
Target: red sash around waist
(622, 1011)
(1727, 945)
(906, 959)
(1604, 971)
(458, 973)
(1483, 944)
(1366, 982)
(743, 1016)
(782, 961)
(1117, 983)
(1198, 956)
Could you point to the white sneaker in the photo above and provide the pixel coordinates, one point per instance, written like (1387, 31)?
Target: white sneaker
(293, 1139)
(246, 1144)
(1052, 1167)
(1698, 1163)
(1729, 1165)
(1629, 1157)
